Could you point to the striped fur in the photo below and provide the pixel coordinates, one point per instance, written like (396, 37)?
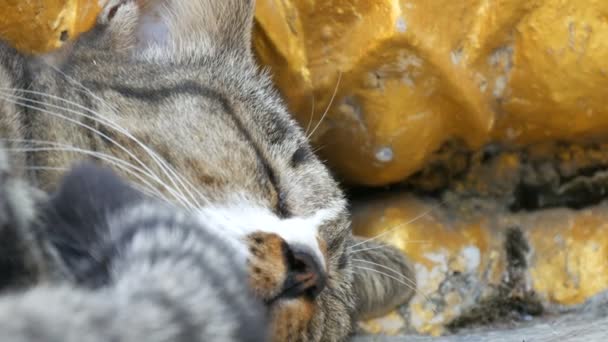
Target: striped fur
(108, 240)
(229, 194)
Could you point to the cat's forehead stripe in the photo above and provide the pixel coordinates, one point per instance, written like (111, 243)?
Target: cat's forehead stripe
(162, 92)
(158, 94)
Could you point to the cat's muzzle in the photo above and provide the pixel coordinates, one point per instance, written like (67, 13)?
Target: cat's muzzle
(305, 275)
(280, 270)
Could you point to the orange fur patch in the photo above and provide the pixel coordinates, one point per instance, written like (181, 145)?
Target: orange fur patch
(290, 319)
(267, 266)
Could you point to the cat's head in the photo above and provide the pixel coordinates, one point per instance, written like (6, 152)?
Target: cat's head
(183, 79)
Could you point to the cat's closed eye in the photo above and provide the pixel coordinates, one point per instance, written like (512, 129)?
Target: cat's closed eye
(216, 222)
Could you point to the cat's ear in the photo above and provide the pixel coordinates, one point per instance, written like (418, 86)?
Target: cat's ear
(170, 29)
(383, 278)
(118, 24)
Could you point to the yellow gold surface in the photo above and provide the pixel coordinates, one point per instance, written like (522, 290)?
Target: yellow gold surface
(38, 26)
(410, 75)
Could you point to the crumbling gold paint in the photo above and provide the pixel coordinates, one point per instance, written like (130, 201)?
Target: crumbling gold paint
(567, 257)
(407, 77)
(390, 324)
(570, 255)
(39, 26)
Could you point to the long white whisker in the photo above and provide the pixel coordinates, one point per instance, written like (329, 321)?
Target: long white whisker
(400, 281)
(316, 150)
(401, 225)
(410, 281)
(98, 118)
(56, 144)
(155, 157)
(177, 196)
(387, 275)
(331, 101)
(380, 247)
(188, 186)
(312, 114)
(44, 168)
(64, 169)
(110, 159)
(107, 158)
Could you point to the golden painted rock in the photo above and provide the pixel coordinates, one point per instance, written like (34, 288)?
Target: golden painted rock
(38, 26)
(382, 84)
(488, 268)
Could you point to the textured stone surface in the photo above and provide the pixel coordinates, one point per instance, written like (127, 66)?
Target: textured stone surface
(585, 325)
(410, 75)
(480, 267)
(38, 26)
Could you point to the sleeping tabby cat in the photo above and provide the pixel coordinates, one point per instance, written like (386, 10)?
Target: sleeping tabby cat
(226, 227)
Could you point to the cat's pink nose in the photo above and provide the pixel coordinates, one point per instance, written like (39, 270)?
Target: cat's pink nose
(305, 275)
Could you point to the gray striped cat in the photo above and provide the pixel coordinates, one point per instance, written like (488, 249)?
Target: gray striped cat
(226, 226)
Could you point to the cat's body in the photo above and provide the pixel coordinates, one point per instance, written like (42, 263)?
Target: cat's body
(168, 95)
